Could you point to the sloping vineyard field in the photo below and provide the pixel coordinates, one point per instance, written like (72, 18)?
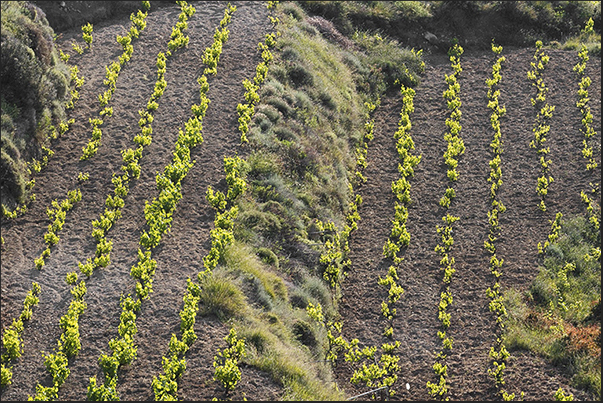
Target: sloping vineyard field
(523, 225)
(180, 254)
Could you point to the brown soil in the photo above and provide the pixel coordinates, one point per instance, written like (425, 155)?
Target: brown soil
(179, 256)
(523, 225)
(181, 252)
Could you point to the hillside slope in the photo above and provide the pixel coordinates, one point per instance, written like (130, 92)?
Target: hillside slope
(180, 255)
(473, 327)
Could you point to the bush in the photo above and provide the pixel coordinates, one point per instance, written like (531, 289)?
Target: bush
(299, 75)
(281, 105)
(14, 175)
(284, 133)
(258, 337)
(268, 256)
(262, 122)
(269, 111)
(220, 297)
(271, 87)
(293, 11)
(265, 223)
(304, 333)
(34, 85)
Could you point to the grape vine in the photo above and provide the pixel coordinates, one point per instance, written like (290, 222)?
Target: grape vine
(158, 215)
(500, 354)
(111, 75)
(541, 127)
(593, 209)
(12, 342)
(252, 97)
(455, 148)
(227, 371)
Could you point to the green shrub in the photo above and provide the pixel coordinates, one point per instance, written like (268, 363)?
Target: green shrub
(412, 10)
(305, 333)
(14, 176)
(258, 337)
(327, 100)
(221, 297)
(284, 133)
(288, 53)
(241, 258)
(299, 75)
(269, 111)
(281, 105)
(555, 318)
(268, 256)
(293, 10)
(34, 85)
(260, 295)
(265, 223)
(291, 369)
(261, 166)
(262, 122)
(271, 87)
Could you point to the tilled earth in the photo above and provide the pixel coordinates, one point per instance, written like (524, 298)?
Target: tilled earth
(180, 254)
(473, 327)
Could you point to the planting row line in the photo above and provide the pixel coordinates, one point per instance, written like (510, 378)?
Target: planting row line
(587, 118)
(165, 386)
(69, 343)
(334, 260)
(335, 255)
(455, 148)
(12, 342)
(376, 372)
(541, 126)
(593, 209)
(112, 73)
(158, 214)
(51, 237)
(226, 362)
(57, 215)
(397, 241)
(381, 372)
(498, 354)
(251, 95)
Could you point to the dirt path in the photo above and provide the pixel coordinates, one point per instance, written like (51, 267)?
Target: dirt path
(473, 327)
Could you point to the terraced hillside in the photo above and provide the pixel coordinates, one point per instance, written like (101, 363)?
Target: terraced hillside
(181, 250)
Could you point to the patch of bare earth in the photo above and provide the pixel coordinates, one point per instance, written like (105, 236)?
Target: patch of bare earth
(180, 254)
(473, 327)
